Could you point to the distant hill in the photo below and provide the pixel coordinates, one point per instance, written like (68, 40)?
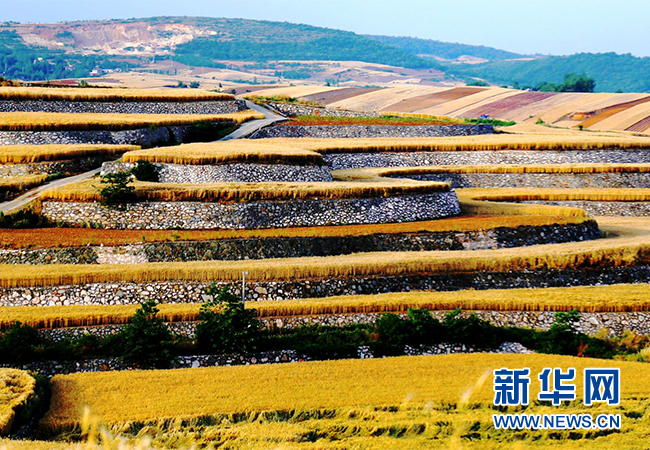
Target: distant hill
(80, 49)
(444, 50)
(611, 71)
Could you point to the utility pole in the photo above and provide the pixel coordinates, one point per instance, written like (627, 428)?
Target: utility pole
(243, 287)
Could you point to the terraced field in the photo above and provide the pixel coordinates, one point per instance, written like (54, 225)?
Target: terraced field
(597, 111)
(497, 225)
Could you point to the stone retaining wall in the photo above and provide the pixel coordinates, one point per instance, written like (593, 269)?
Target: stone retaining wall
(540, 180)
(293, 247)
(122, 293)
(76, 165)
(302, 213)
(370, 131)
(51, 368)
(125, 107)
(616, 323)
(144, 137)
(401, 159)
(234, 172)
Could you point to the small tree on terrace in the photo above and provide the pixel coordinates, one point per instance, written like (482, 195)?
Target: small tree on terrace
(117, 191)
(146, 341)
(226, 325)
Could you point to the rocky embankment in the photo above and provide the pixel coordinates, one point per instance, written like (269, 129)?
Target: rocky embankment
(370, 131)
(125, 107)
(254, 215)
(129, 293)
(341, 161)
(233, 172)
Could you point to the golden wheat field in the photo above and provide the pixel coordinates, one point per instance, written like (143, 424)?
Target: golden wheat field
(111, 95)
(22, 154)
(405, 402)
(88, 191)
(16, 386)
(614, 298)
(505, 168)
(226, 152)
(44, 121)
(627, 244)
(20, 183)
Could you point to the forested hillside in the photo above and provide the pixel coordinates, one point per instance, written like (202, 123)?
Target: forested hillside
(612, 72)
(444, 50)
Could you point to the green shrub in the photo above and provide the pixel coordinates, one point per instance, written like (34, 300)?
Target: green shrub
(18, 344)
(146, 342)
(470, 331)
(118, 190)
(25, 218)
(226, 326)
(145, 171)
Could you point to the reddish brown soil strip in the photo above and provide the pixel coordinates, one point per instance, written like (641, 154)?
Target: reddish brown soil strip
(640, 126)
(78, 237)
(496, 109)
(611, 110)
(431, 100)
(328, 97)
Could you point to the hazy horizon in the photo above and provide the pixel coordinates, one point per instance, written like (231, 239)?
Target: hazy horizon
(555, 27)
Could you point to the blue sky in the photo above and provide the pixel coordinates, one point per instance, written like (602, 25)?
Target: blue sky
(524, 26)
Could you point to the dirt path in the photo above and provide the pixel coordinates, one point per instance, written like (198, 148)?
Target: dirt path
(248, 128)
(32, 194)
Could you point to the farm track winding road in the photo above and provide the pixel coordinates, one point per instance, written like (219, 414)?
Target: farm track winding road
(246, 129)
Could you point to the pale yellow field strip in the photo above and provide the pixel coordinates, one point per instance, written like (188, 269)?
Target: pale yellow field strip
(290, 91)
(624, 119)
(378, 100)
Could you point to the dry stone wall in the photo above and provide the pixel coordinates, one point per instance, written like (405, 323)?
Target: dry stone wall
(51, 167)
(370, 131)
(144, 137)
(126, 107)
(541, 180)
(123, 293)
(303, 213)
(235, 172)
(401, 159)
(590, 322)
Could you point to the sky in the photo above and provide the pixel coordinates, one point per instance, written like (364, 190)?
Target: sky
(558, 27)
